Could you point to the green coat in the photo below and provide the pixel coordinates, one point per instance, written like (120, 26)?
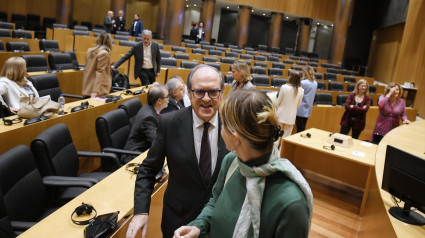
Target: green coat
(284, 210)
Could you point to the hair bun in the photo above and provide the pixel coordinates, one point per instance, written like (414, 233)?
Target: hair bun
(275, 133)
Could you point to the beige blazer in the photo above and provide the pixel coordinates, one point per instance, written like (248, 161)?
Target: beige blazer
(287, 104)
(11, 92)
(97, 74)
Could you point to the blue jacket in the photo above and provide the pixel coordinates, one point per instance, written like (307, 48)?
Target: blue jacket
(139, 28)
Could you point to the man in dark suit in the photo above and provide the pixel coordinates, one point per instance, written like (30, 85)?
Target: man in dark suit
(109, 22)
(194, 156)
(120, 22)
(147, 59)
(144, 129)
(175, 89)
(194, 31)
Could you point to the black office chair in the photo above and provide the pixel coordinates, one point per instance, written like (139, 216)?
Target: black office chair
(293, 57)
(300, 63)
(48, 84)
(349, 79)
(1, 46)
(228, 78)
(165, 54)
(273, 59)
(21, 34)
(127, 43)
(275, 72)
(260, 57)
(289, 51)
(236, 50)
(245, 56)
(190, 45)
(17, 46)
(275, 49)
(178, 49)
(313, 64)
(372, 89)
(261, 80)
(23, 190)
(321, 86)
(6, 25)
(81, 33)
(181, 56)
(278, 82)
(121, 37)
(74, 60)
(188, 64)
(122, 33)
(81, 28)
(332, 70)
(58, 25)
(48, 22)
(304, 58)
(89, 25)
(341, 99)
(35, 63)
(49, 45)
(199, 51)
(168, 63)
(330, 76)
(323, 98)
(207, 47)
(222, 49)
(131, 108)
(227, 60)
(215, 52)
(258, 70)
(335, 86)
(215, 65)
(298, 68)
(189, 41)
(260, 64)
(263, 48)
(96, 30)
(288, 62)
(19, 20)
(318, 76)
(231, 54)
(248, 48)
(60, 61)
(209, 59)
(278, 65)
(112, 130)
(351, 87)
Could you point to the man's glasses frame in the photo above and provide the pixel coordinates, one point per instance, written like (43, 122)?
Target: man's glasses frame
(212, 93)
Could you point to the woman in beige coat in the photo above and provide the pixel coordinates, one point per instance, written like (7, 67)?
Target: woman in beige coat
(97, 79)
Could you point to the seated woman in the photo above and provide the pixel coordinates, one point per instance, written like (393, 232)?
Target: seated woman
(13, 83)
(356, 106)
(257, 193)
(391, 109)
(97, 79)
(241, 76)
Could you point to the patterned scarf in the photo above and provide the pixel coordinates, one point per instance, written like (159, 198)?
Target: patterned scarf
(255, 183)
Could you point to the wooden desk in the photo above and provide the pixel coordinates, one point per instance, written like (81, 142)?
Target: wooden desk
(70, 81)
(340, 164)
(377, 221)
(114, 193)
(6, 55)
(33, 43)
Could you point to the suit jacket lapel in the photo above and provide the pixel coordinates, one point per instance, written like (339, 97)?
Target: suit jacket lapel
(185, 133)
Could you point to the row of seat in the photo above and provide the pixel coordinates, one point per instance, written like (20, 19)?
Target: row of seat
(57, 61)
(45, 46)
(5, 33)
(29, 22)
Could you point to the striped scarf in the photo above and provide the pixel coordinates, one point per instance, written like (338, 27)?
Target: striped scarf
(255, 183)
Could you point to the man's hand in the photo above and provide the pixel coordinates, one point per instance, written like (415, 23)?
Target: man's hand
(139, 222)
(112, 67)
(187, 232)
(157, 75)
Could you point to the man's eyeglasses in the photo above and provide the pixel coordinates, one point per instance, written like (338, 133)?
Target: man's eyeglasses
(200, 93)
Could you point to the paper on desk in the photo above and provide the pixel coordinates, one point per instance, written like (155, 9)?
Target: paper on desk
(358, 153)
(98, 99)
(364, 143)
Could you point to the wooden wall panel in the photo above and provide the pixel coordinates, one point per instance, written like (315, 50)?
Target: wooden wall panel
(147, 10)
(320, 9)
(93, 11)
(46, 8)
(384, 56)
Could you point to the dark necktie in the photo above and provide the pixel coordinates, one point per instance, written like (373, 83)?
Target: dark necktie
(205, 155)
(159, 115)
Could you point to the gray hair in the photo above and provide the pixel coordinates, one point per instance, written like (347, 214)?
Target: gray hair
(194, 69)
(172, 84)
(147, 33)
(155, 92)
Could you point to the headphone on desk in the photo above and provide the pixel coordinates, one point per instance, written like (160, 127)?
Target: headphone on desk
(84, 209)
(332, 147)
(133, 167)
(308, 135)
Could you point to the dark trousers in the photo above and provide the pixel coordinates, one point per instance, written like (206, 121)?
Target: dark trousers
(301, 122)
(147, 76)
(355, 133)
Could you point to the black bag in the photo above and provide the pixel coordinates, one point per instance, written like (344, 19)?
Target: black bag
(102, 226)
(120, 80)
(5, 111)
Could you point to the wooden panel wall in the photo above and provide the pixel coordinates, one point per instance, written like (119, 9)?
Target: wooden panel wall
(93, 11)
(45, 8)
(147, 10)
(384, 54)
(320, 9)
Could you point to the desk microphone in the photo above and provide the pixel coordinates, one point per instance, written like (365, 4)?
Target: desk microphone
(308, 135)
(332, 147)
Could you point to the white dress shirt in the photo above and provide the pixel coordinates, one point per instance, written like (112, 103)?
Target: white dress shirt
(198, 129)
(147, 57)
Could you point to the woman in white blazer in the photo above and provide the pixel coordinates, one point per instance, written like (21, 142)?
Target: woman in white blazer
(289, 100)
(13, 83)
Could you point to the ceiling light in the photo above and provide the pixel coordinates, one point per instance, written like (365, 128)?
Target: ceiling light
(252, 10)
(332, 25)
(227, 7)
(187, 5)
(287, 17)
(194, 5)
(318, 23)
(264, 14)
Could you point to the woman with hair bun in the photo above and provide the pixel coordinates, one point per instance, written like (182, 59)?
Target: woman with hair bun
(257, 193)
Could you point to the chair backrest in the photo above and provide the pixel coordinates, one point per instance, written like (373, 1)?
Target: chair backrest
(1, 46)
(57, 25)
(372, 89)
(249, 48)
(253, 53)
(35, 63)
(188, 64)
(332, 70)
(21, 185)
(288, 62)
(278, 65)
(228, 78)
(6, 25)
(209, 59)
(273, 58)
(165, 54)
(318, 75)
(219, 44)
(298, 68)
(60, 61)
(215, 52)
(258, 70)
(341, 99)
(313, 64)
(49, 45)
(236, 50)
(215, 65)
(207, 47)
(122, 33)
(335, 86)
(17, 46)
(245, 56)
(22, 34)
(330, 76)
(324, 98)
(199, 51)
(189, 41)
(131, 108)
(231, 54)
(262, 47)
(260, 64)
(227, 60)
(178, 49)
(321, 86)
(168, 63)
(222, 49)
(128, 43)
(289, 51)
(277, 82)
(73, 58)
(191, 45)
(98, 30)
(81, 28)
(113, 129)
(19, 20)
(261, 80)
(349, 79)
(275, 49)
(293, 57)
(55, 152)
(260, 57)
(88, 24)
(351, 87)
(46, 84)
(121, 37)
(181, 56)
(81, 33)
(48, 22)
(301, 63)
(275, 71)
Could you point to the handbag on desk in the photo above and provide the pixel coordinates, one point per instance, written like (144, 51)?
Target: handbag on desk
(35, 106)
